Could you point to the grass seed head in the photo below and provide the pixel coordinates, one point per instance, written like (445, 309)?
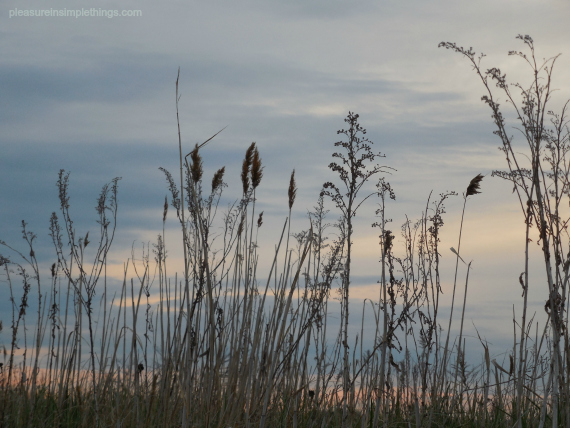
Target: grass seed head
(217, 181)
(256, 169)
(196, 169)
(474, 185)
(246, 166)
(292, 190)
(165, 210)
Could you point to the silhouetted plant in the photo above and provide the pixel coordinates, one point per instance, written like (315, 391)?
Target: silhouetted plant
(355, 167)
(541, 180)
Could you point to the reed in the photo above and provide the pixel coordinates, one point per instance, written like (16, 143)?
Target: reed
(217, 345)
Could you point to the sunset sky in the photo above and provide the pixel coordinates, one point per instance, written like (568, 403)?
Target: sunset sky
(96, 96)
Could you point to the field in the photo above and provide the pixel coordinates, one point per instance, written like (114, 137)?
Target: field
(217, 345)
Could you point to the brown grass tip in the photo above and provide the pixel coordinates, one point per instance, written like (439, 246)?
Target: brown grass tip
(474, 185)
(217, 181)
(256, 169)
(292, 190)
(165, 210)
(196, 168)
(246, 166)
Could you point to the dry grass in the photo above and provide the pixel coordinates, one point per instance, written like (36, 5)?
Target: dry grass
(222, 347)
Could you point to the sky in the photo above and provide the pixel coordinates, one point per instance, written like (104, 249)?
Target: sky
(95, 96)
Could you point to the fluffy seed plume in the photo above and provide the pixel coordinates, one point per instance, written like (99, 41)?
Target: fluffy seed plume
(256, 169)
(218, 179)
(196, 168)
(292, 190)
(246, 167)
(473, 187)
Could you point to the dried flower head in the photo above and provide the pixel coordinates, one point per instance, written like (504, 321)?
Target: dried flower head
(292, 190)
(196, 168)
(473, 187)
(256, 169)
(246, 167)
(217, 181)
(165, 210)
(260, 219)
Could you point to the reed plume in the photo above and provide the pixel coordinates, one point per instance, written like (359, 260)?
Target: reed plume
(474, 185)
(256, 169)
(196, 169)
(246, 166)
(217, 181)
(292, 190)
